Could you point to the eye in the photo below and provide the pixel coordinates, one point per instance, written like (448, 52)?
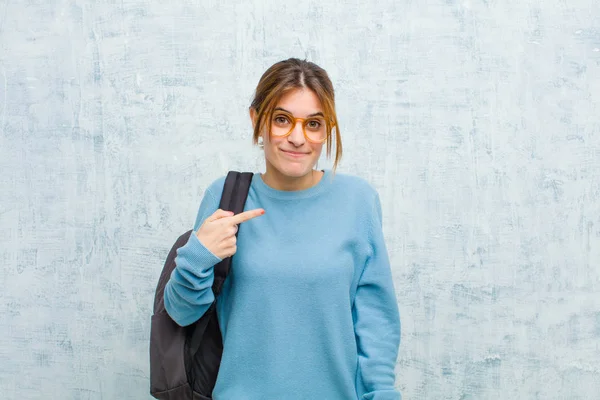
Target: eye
(314, 124)
(281, 119)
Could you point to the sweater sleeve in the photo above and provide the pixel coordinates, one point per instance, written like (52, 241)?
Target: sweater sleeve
(376, 319)
(188, 293)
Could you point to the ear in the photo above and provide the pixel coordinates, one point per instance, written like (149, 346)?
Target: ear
(253, 117)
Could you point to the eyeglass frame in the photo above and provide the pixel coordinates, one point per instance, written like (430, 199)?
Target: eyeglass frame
(295, 121)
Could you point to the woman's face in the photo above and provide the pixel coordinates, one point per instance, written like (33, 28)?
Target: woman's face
(294, 156)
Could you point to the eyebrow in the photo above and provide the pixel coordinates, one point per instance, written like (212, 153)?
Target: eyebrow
(289, 112)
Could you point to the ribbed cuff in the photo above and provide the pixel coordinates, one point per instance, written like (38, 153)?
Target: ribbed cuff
(197, 255)
(390, 394)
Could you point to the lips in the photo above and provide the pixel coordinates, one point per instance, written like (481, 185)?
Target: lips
(294, 153)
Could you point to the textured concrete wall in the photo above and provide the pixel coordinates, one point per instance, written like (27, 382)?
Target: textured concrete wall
(478, 121)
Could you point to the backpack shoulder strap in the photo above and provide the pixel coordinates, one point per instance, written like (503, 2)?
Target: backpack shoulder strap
(233, 198)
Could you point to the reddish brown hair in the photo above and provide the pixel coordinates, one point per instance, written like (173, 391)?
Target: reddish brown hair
(288, 75)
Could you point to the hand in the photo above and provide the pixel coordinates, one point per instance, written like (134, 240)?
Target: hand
(217, 233)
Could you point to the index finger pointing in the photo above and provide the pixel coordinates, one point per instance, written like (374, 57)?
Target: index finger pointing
(246, 216)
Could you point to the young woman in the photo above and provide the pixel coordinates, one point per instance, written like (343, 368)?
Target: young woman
(308, 310)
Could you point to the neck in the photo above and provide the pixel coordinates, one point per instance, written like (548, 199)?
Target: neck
(275, 179)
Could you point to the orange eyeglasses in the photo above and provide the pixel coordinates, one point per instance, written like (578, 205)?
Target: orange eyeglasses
(314, 127)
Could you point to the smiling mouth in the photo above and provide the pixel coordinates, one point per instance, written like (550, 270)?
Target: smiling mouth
(294, 153)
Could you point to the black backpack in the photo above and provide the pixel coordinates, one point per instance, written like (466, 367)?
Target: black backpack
(184, 361)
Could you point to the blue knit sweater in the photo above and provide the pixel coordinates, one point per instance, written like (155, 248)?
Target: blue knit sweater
(308, 310)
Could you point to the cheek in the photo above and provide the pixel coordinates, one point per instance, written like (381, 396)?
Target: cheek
(270, 147)
(317, 148)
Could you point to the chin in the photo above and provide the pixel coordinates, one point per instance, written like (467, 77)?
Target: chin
(294, 170)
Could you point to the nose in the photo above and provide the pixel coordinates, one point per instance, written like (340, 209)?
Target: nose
(297, 136)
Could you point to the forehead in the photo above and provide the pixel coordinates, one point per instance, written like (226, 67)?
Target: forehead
(300, 102)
